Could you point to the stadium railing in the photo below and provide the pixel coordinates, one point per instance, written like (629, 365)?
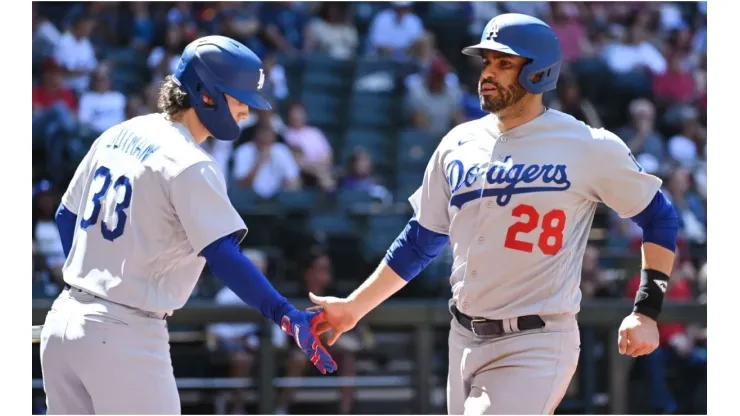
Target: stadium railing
(424, 317)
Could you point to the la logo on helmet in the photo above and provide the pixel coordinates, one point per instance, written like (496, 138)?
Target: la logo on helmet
(261, 82)
(493, 31)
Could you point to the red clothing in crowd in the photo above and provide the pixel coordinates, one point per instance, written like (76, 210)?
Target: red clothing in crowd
(42, 98)
(678, 290)
(571, 34)
(674, 86)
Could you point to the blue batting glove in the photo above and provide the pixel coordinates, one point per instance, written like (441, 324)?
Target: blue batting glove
(301, 325)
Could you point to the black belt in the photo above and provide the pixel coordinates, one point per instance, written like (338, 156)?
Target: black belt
(495, 327)
(150, 314)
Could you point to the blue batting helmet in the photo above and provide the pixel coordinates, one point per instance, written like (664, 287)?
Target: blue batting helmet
(528, 37)
(217, 65)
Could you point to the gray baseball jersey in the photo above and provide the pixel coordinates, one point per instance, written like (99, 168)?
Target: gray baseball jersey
(148, 199)
(518, 207)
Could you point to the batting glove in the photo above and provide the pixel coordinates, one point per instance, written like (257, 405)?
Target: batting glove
(301, 325)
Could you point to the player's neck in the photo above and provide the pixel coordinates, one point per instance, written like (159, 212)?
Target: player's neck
(191, 122)
(518, 114)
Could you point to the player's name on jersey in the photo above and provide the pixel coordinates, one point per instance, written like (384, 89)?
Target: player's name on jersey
(551, 178)
(127, 142)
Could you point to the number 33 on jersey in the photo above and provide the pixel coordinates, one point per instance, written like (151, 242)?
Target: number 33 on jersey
(112, 200)
(518, 207)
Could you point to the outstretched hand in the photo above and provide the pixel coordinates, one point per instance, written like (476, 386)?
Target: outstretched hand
(339, 316)
(303, 326)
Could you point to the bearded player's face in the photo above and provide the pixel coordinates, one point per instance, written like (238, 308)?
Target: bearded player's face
(498, 86)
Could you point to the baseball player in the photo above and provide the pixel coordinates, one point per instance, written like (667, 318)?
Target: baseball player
(515, 194)
(144, 212)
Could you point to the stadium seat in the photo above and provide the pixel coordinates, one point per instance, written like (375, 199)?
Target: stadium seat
(243, 199)
(372, 110)
(327, 74)
(371, 65)
(304, 199)
(331, 223)
(378, 143)
(415, 147)
(324, 110)
(387, 222)
(349, 199)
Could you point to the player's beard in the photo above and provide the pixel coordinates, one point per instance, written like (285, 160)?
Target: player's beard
(504, 98)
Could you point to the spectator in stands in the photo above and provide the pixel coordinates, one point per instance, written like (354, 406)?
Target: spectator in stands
(45, 36)
(75, 53)
(670, 17)
(54, 117)
(143, 35)
(151, 95)
(539, 9)
(163, 60)
(691, 210)
(433, 105)
(700, 81)
(237, 20)
(332, 32)
(312, 150)
(316, 277)
(702, 284)
(135, 106)
(394, 31)
(641, 135)
(570, 30)
(570, 101)
(276, 81)
(689, 146)
(183, 15)
(424, 54)
(359, 176)
(678, 345)
(265, 166)
(595, 281)
(283, 26)
(52, 92)
(45, 232)
(240, 341)
(700, 179)
(634, 61)
(101, 107)
(675, 86)
(681, 47)
(268, 118)
(113, 26)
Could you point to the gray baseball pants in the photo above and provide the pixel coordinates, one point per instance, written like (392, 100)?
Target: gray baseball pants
(524, 372)
(98, 357)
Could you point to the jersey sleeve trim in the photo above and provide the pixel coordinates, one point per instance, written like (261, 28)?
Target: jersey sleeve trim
(644, 202)
(221, 229)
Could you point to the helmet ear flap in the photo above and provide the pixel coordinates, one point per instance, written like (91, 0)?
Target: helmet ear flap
(537, 80)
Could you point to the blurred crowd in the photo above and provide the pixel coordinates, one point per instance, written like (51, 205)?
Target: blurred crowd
(636, 68)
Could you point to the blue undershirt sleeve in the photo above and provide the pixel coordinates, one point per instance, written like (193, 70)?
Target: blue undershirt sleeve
(414, 249)
(66, 222)
(238, 273)
(659, 223)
